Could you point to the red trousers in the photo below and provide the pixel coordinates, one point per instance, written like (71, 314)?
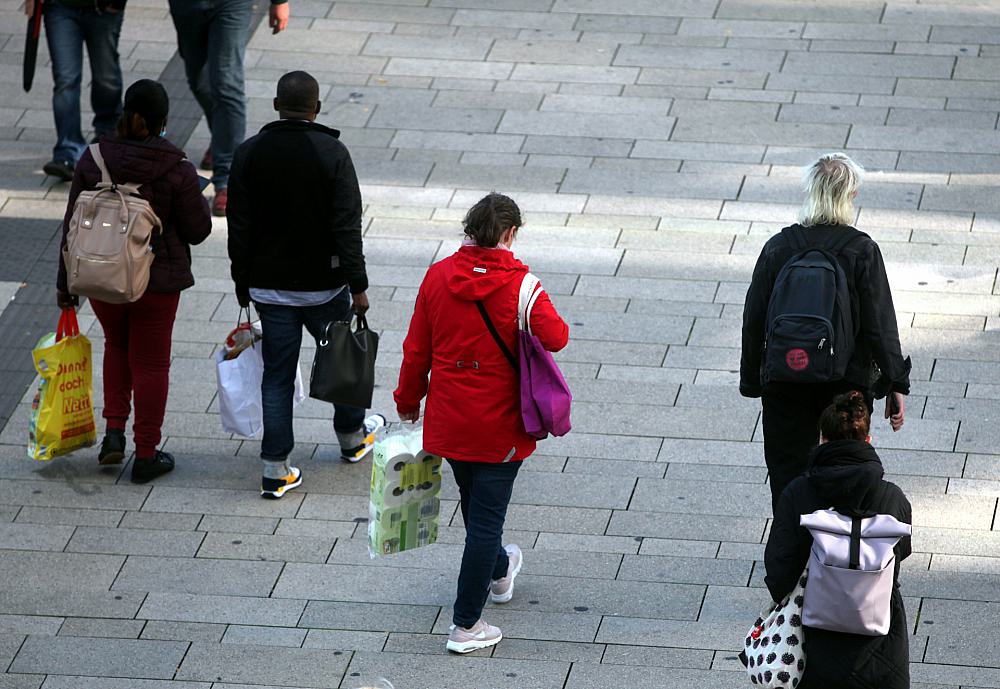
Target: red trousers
(137, 363)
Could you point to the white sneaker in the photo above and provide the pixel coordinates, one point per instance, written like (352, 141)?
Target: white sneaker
(356, 454)
(502, 590)
(480, 635)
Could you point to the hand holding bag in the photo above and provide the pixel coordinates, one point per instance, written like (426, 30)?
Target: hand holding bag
(343, 371)
(775, 653)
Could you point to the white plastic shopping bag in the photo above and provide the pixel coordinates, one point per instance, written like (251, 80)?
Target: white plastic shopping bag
(239, 379)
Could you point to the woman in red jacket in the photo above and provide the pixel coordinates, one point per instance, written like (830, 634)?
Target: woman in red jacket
(137, 335)
(473, 411)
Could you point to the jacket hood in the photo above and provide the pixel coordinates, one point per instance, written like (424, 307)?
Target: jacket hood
(301, 125)
(478, 272)
(846, 473)
(139, 161)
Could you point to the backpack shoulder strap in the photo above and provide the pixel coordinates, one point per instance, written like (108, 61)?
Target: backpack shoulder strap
(855, 550)
(496, 336)
(95, 151)
(794, 238)
(844, 241)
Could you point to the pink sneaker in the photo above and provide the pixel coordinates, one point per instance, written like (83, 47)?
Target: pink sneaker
(502, 590)
(480, 635)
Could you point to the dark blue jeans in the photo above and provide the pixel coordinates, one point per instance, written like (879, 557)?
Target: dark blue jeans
(485, 493)
(211, 39)
(282, 326)
(67, 29)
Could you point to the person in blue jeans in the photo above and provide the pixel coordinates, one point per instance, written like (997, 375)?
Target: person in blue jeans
(69, 25)
(296, 252)
(211, 39)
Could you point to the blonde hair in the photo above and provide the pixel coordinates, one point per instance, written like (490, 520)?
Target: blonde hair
(830, 184)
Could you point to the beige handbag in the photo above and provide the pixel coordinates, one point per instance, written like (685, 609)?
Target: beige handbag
(108, 253)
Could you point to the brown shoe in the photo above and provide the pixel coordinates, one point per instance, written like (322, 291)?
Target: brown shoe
(206, 160)
(219, 203)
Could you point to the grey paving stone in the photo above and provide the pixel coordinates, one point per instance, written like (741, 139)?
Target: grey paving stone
(426, 67)
(687, 527)
(99, 657)
(577, 520)
(241, 546)
(29, 624)
(368, 616)
(525, 624)
(34, 536)
(520, 649)
(591, 124)
(82, 495)
(78, 682)
(96, 539)
(271, 664)
(10, 681)
(101, 627)
(217, 501)
(264, 636)
(68, 516)
(586, 676)
(657, 657)
(197, 576)
(685, 570)
(428, 672)
(183, 631)
(573, 73)
(348, 640)
(59, 570)
(180, 607)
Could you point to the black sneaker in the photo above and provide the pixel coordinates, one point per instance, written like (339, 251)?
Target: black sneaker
(63, 169)
(275, 488)
(113, 447)
(145, 469)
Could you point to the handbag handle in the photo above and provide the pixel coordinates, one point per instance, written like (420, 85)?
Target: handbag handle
(362, 325)
(68, 325)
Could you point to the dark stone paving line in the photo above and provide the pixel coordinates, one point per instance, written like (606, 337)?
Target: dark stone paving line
(29, 255)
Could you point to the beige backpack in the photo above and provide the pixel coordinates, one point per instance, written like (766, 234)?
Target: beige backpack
(108, 252)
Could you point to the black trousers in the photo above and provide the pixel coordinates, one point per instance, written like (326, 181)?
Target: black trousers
(790, 419)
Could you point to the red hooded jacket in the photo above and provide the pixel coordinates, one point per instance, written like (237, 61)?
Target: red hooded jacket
(473, 410)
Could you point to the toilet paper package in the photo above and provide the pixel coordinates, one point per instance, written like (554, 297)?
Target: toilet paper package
(404, 501)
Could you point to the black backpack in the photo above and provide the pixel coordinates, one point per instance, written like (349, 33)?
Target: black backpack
(810, 329)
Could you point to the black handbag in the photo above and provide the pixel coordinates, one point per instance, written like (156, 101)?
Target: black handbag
(343, 371)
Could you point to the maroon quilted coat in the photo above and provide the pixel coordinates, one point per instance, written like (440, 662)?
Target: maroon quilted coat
(170, 184)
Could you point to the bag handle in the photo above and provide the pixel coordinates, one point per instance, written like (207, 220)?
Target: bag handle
(855, 556)
(361, 325)
(529, 286)
(68, 325)
(496, 336)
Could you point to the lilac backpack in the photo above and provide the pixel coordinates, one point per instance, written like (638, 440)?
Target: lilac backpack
(545, 397)
(851, 571)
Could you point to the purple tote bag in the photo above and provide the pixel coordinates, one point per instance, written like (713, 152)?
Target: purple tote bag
(545, 397)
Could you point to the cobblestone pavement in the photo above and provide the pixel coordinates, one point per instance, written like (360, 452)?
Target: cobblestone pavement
(654, 144)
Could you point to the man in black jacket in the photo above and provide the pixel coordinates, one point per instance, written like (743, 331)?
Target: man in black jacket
(296, 252)
(877, 368)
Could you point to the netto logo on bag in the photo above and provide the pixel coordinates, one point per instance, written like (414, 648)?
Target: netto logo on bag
(810, 330)
(108, 253)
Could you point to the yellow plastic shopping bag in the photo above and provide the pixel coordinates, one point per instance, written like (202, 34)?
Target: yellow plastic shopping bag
(62, 416)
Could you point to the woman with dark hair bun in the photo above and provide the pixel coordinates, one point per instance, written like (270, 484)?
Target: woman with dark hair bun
(844, 473)
(137, 335)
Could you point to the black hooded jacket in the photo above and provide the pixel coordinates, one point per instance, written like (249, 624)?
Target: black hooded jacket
(845, 475)
(877, 366)
(294, 211)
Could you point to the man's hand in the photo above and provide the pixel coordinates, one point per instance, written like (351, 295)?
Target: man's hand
(278, 17)
(243, 297)
(29, 8)
(898, 415)
(359, 303)
(409, 417)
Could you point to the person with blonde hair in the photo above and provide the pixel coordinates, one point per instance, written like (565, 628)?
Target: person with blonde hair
(819, 321)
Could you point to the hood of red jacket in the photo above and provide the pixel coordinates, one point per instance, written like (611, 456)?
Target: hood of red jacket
(139, 161)
(477, 272)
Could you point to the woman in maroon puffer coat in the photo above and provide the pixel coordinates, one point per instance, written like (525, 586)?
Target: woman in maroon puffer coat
(137, 335)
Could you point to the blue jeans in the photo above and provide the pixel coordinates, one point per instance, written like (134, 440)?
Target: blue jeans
(211, 39)
(282, 327)
(67, 29)
(484, 490)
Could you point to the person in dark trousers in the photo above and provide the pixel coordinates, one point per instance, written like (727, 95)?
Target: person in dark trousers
(296, 251)
(69, 25)
(844, 472)
(877, 368)
(211, 39)
(137, 335)
(473, 410)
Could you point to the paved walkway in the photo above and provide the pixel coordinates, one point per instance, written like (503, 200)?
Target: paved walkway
(654, 144)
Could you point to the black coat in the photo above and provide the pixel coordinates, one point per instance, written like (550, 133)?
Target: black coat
(170, 184)
(294, 211)
(877, 345)
(847, 475)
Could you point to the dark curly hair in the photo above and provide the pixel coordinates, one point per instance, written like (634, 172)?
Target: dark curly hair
(492, 215)
(847, 418)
